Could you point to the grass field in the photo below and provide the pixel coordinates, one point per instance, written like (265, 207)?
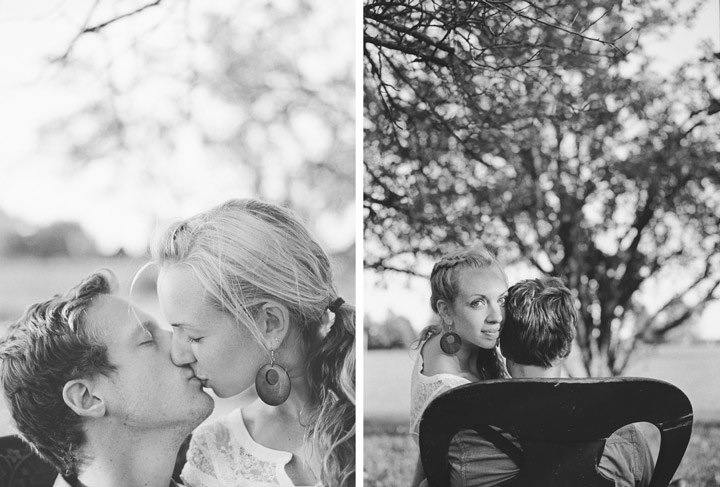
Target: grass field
(693, 368)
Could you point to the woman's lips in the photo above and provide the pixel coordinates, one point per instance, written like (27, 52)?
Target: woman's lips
(199, 379)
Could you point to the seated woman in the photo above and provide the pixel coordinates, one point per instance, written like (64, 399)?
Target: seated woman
(468, 287)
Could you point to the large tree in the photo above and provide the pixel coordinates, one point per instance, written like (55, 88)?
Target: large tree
(540, 129)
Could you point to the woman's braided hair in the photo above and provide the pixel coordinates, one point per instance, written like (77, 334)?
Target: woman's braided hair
(444, 280)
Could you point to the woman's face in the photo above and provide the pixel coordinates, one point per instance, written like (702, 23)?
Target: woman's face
(222, 353)
(477, 312)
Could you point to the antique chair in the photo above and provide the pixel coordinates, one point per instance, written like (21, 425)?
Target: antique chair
(561, 425)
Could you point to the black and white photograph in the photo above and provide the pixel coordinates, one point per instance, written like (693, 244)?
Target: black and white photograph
(541, 198)
(177, 243)
(516, 202)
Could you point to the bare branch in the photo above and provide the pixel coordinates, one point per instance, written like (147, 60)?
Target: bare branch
(98, 27)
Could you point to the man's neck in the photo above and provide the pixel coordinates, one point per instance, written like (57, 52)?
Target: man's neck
(125, 458)
(519, 371)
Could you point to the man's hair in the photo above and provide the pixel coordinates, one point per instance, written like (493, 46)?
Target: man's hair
(50, 345)
(540, 320)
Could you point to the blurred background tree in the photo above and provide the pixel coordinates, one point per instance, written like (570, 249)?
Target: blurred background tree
(174, 106)
(542, 130)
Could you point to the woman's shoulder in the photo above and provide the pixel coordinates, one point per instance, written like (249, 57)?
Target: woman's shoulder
(436, 363)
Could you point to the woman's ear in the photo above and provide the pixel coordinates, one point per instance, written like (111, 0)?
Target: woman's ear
(444, 312)
(274, 322)
(80, 396)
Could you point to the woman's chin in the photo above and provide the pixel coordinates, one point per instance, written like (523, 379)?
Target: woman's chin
(487, 343)
(225, 392)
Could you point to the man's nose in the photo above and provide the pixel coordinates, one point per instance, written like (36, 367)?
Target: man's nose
(180, 352)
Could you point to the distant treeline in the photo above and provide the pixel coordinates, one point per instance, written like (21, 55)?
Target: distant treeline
(392, 332)
(55, 240)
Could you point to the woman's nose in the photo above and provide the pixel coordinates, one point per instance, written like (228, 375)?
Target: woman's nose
(180, 352)
(495, 314)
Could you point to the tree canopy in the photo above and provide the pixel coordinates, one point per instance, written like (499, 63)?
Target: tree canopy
(539, 129)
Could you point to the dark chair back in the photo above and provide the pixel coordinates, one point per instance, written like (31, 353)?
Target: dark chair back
(21, 467)
(561, 425)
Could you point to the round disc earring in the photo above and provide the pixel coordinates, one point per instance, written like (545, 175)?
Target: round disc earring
(450, 342)
(272, 383)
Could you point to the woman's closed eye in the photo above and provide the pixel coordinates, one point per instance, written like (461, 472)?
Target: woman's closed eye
(194, 339)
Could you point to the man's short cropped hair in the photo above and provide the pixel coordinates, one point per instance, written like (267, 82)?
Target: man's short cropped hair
(540, 321)
(50, 345)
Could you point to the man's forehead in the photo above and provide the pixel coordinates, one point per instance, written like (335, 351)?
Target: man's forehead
(112, 315)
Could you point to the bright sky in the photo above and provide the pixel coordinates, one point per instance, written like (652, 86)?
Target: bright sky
(120, 202)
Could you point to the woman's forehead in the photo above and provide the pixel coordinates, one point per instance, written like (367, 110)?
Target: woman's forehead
(484, 280)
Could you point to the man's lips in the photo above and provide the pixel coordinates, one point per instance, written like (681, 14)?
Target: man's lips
(202, 381)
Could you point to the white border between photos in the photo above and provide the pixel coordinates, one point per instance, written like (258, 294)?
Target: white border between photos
(359, 251)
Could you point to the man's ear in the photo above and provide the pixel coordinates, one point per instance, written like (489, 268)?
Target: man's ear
(273, 321)
(81, 396)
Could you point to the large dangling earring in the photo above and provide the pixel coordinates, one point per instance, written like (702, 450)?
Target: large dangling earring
(450, 342)
(272, 383)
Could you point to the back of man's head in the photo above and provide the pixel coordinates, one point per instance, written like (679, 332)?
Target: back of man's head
(49, 346)
(540, 320)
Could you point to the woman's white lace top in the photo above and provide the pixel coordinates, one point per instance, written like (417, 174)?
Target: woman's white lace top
(223, 454)
(424, 389)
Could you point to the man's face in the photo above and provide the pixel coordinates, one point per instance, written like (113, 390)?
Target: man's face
(146, 390)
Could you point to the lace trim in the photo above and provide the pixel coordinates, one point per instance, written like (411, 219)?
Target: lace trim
(223, 454)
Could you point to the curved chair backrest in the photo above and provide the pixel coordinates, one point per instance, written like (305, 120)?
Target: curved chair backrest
(21, 467)
(561, 425)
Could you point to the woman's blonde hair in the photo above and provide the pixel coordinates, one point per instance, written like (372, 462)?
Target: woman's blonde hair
(444, 282)
(244, 252)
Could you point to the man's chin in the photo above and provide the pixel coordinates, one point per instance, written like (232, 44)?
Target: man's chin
(202, 411)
